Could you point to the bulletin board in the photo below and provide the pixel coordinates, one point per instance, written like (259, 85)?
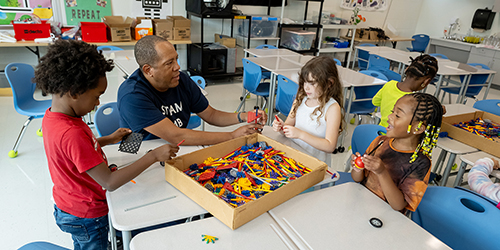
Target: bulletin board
(86, 10)
(366, 5)
(11, 10)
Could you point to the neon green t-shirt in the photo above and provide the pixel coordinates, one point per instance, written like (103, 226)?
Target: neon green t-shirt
(385, 98)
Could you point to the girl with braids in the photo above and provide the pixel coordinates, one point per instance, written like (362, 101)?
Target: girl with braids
(315, 121)
(399, 170)
(74, 73)
(417, 76)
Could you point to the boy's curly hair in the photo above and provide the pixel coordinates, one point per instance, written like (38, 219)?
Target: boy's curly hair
(71, 66)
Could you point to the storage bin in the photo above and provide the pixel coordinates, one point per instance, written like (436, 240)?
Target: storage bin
(298, 39)
(93, 32)
(30, 31)
(262, 26)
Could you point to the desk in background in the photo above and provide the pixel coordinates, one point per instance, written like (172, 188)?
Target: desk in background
(146, 203)
(393, 39)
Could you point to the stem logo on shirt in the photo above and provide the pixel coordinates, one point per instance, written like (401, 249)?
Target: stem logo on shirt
(171, 110)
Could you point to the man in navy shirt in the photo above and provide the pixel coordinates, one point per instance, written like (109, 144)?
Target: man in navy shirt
(157, 100)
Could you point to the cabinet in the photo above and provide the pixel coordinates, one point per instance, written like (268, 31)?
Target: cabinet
(488, 57)
(327, 29)
(316, 26)
(203, 61)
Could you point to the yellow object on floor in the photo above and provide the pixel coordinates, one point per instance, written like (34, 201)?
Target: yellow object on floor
(5, 92)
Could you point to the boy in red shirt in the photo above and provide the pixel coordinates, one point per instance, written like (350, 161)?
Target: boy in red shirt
(74, 72)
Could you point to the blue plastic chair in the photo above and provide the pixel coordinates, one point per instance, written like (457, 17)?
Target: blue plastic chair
(107, 119)
(363, 56)
(362, 137)
(362, 104)
(20, 76)
(374, 73)
(460, 218)
(337, 61)
(420, 43)
(490, 106)
(286, 92)
(472, 91)
(383, 65)
(41, 245)
(108, 48)
(196, 121)
(252, 82)
(437, 55)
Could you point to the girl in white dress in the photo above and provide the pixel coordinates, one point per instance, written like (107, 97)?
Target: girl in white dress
(317, 114)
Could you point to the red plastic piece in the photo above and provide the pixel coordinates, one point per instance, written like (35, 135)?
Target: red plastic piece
(207, 175)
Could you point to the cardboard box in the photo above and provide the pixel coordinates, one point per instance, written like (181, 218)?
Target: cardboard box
(225, 40)
(181, 29)
(469, 138)
(236, 217)
(118, 28)
(163, 28)
(143, 27)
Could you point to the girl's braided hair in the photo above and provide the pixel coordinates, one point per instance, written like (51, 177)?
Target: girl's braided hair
(422, 66)
(428, 112)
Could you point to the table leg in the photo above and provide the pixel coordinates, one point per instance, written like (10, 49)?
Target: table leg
(438, 86)
(463, 89)
(112, 234)
(439, 162)
(489, 86)
(272, 91)
(126, 237)
(447, 170)
(460, 174)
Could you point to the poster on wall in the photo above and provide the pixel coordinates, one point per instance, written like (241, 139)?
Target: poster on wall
(86, 10)
(153, 9)
(366, 5)
(23, 10)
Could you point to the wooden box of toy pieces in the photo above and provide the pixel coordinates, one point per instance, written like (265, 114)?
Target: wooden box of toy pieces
(235, 215)
(477, 134)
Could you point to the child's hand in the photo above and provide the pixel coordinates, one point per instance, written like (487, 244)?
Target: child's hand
(495, 163)
(353, 158)
(278, 124)
(291, 131)
(165, 152)
(118, 135)
(374, 164)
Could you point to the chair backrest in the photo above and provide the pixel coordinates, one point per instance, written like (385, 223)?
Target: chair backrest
(376, 62)
(490, 106)
(420, 42)
(107, 119)
(200, 81)
(266, 46)
(106, 48)
(20, 77)
(363, 135)
(374, 73)
(391, 75)
(459, 218)
(476, 79)
(337, 61)
(437, 55)
(41, 245)
(287, 90)
(252, 75)
(363, 56)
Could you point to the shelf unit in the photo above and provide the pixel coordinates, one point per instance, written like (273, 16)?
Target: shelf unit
(347, 50)
(200, 46)
(248, 38)
(316, 25)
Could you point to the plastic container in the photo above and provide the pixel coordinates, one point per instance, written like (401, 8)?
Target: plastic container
(94, 32)
(298, 39)
(262, 26)
(28, 31)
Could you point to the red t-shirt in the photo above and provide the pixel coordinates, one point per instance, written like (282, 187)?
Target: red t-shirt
(71, 150)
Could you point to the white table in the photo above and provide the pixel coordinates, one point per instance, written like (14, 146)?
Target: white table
(470, 159)
(270, 52)
(338, 218)
(146, 203)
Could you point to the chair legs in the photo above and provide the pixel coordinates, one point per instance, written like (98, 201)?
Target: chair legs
(13, 152)
(243, 99)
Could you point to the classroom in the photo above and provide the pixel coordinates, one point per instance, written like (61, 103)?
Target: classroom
(246, 60)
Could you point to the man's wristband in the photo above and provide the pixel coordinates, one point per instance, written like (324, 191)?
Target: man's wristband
(239, 118)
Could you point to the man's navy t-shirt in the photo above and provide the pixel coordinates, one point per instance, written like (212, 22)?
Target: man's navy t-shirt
(141, 105)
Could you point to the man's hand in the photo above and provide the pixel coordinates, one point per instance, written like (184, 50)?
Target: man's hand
(118, 135)
(247, 130)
